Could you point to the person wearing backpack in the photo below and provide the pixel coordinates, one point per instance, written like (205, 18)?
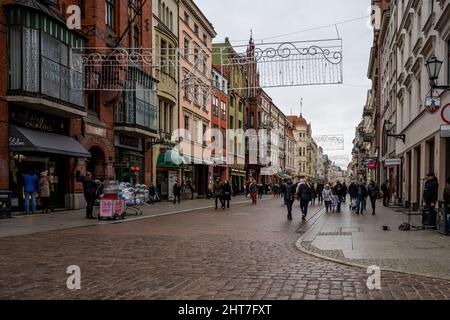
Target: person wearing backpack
(373, 192)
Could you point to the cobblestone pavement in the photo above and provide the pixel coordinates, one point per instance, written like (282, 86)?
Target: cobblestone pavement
(247, 252)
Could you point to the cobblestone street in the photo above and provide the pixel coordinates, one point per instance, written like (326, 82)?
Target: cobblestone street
(243, 253)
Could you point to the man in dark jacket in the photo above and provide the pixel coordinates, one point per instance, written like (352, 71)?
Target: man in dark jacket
(373, 191)
(431, 190)
(218, 193)
(289, 197)
(386, 195)
(361, 196)
(340, 192)
(226, 191)
(304, 194)
(176, 192)
(320, 188)
(353, 190)
(89, 190)
(152, 193)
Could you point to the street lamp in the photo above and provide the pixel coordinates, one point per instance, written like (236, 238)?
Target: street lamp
(388, 128)
(433, 69)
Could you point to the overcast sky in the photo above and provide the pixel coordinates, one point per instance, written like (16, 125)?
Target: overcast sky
(335, 109)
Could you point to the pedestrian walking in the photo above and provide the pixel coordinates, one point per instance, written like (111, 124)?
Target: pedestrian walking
(261, 189)
(177, 192)
(152, 193)
(226, 190)
(253, 192)
(361, 196)
(30, 187)
(44, 191)
(327, 197)
(345, 191)
(191, 189)
(385, 191)
(373, 192)
(339, 191)
(90, 187)
(304, 194)
(320, 188)
(353, 191)
(313, 195)
(289, 197)
(218, 193)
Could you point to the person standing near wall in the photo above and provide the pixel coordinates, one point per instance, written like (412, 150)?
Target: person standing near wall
(30, 187)
(44, 191)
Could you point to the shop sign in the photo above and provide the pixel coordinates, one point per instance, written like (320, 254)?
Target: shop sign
(445, 131)
(432, 104)
(15, 142)
(372, 165)
(392, 162)
(38, 121)
(121, 165)
(96, 131)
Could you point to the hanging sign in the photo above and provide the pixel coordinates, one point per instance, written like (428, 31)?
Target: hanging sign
(432, 104)
(445, 114)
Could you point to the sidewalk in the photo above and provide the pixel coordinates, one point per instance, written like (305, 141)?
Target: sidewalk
(360, 240)
(28, 224)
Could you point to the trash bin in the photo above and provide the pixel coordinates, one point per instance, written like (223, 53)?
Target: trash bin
(443, 218)
(5, 204)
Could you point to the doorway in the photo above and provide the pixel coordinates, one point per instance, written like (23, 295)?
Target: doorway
(96, 165)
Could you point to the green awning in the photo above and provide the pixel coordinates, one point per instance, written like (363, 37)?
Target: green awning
(170, 159)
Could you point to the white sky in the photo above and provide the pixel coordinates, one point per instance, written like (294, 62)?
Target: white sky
(333, 109)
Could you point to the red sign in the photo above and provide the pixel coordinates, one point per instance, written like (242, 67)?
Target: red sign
(162, 150)
(372, 165)
(445, 114)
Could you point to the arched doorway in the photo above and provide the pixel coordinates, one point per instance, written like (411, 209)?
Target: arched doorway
(96, 165)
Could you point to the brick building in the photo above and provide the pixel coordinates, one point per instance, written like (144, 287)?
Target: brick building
(52, 123)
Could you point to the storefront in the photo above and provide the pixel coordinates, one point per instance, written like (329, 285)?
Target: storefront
(237, 179)
(39, 142)
(130, 164)
(168, 170)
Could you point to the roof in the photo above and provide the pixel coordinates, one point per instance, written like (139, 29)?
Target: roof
(298, 120)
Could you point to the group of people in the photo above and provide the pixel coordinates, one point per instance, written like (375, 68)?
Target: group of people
(36, 186)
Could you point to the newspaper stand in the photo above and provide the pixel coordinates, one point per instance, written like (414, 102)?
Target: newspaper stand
(111, 207)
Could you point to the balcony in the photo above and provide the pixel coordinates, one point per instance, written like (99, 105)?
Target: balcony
(136, 112)
(44, 74)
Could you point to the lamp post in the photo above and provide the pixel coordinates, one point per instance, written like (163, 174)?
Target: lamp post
(433, 69)
(388, 128)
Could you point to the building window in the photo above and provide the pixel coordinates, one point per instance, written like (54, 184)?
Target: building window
(186, 47)
(215, 106)
(186, 18)
(231, 124)
(159, 9)
(240, 106)
(223, 109)
(196, 54)
(171, 21)
(186, 126)
(196, 29)
(92, 102)
(205, 39)
(109, 13)
(136, 37)
(240, 124)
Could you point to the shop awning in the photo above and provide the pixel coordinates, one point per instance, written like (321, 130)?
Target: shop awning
(23, 140)
(170, 159)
